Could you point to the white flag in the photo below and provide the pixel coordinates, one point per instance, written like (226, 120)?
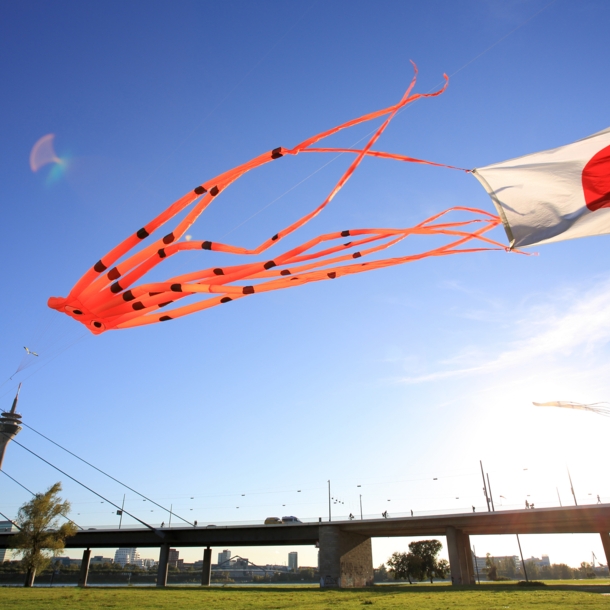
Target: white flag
(553, 195)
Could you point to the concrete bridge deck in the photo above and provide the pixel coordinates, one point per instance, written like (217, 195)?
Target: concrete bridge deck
(345, 546)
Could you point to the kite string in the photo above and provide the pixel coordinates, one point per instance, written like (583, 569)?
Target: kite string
(35, 372)
(235, 87)
(489, 48)
(286, 33)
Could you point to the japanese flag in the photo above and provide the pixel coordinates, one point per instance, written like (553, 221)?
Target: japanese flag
(553, 195)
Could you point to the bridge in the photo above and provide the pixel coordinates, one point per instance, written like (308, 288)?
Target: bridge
(346, 558)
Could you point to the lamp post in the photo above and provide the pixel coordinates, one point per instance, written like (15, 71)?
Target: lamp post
(329, 509)
(361, 517)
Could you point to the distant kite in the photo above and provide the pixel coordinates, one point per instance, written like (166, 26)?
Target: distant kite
(601, 408)
(543, 197)
(30, 352)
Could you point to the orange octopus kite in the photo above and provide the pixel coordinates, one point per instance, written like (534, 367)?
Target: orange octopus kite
(107, 296)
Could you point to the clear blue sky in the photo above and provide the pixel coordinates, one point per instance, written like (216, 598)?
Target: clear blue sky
(388, 379)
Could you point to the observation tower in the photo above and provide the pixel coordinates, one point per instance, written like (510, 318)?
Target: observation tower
(9, 426)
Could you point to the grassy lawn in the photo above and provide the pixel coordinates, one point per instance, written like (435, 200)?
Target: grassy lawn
(421, 597)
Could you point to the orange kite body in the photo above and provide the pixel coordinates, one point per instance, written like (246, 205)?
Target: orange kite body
(108, 296)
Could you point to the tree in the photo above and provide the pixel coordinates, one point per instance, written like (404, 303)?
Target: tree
(561, 571)
(491, 568)
(442, 568)
(507, 567)
(425, 552)
(420, 563)
(40, 536)
(381, 574)
(404, 565)
(533, 571)
(586, 570)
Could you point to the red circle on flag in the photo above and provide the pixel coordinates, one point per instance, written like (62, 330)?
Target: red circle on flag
(596, 180)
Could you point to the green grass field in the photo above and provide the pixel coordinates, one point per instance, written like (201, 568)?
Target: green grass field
(420, 597)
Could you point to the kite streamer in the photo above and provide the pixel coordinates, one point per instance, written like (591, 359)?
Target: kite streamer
(601, 408)
(108, 296)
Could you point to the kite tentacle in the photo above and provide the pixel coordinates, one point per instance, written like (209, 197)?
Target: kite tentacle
(225, 180)
(216, 280)
(220, 183)
(107, 296)
(308, 277)
(320, 275)
(383, 155)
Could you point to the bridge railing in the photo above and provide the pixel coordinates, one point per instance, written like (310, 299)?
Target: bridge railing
(339, 518)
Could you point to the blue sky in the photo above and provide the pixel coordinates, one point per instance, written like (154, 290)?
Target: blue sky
(389, 379)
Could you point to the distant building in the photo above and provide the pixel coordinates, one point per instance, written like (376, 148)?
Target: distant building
(6, 554)
(293, 561)
(100, 560)
(223, 557)
(126, 555)
(545, 561)
(66, 561)
(174, 559)
(481, 562)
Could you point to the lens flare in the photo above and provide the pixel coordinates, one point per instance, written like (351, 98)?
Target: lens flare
(43, 153)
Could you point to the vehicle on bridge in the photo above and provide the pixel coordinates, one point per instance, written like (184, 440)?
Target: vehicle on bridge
(283, 520)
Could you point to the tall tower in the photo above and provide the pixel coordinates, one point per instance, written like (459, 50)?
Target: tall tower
(9, 426)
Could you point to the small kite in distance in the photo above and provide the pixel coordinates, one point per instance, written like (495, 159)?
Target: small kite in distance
(29, 351)
(601, 408)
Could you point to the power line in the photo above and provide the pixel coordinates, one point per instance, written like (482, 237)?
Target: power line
(82, 484)
(30, 491)
(18, 483)
(105, 473)
(10, 520)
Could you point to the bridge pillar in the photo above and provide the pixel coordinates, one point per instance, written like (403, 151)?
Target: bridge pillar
(206, 574)
(606, 543)
(460, 557)
(84, 568)
(468, 573)
(163, 565)
(346, 559)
